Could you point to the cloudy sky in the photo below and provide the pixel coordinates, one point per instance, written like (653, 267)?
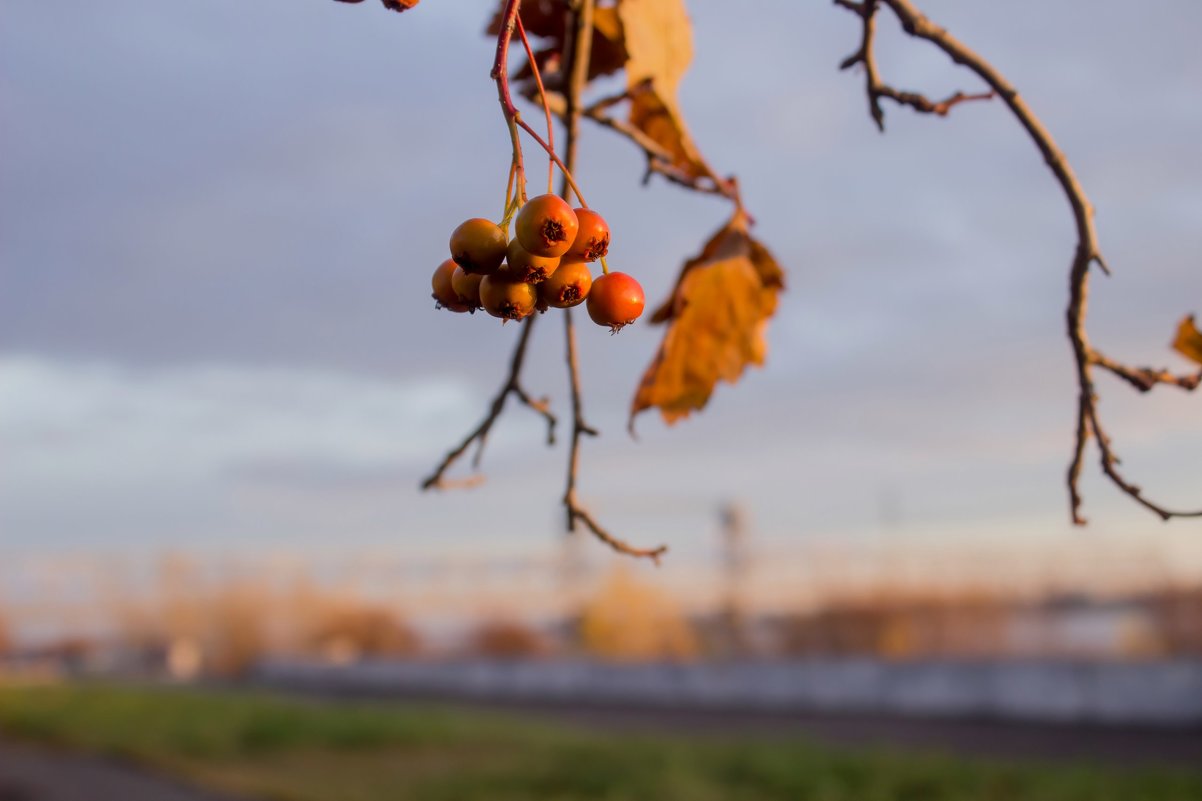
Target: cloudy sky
(218, 221)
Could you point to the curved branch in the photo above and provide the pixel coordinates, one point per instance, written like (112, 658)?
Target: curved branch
(876, 89)
(1087, 253)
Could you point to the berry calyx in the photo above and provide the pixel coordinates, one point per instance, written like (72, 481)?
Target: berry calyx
(521, 265)
(509, 300)
(615, 300)
(478, 246)
(444, 291)
(467, 287)
(592, 237)
(546, 226)
(566, 287)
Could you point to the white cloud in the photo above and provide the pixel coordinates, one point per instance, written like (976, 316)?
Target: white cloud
(79, 418)
(95, 448)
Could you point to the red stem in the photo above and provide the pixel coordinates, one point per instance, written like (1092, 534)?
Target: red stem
(542, 96)
(500, 73)
(500, 70)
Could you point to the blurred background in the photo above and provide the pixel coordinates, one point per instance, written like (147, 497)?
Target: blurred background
(222, 379)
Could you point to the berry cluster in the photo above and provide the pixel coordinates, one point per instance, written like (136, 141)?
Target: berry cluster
(545, 265)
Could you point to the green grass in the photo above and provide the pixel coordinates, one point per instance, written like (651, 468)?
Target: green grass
(294, 750)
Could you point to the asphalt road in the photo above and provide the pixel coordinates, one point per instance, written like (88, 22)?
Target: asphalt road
(1114, 745)
(36, 774)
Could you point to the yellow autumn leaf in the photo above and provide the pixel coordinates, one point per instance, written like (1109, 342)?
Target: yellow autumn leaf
(717, 315)
(1189, 340)
(658, 40)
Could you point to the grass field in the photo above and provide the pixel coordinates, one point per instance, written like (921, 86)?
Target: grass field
(292, 750)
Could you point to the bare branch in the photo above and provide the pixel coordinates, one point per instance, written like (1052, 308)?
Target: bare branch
(575, 512)
(1087, 252)
(1110, 467)
(479, 434)
(1145, 378)
(578, 46)
(582, 515)
(875, 88)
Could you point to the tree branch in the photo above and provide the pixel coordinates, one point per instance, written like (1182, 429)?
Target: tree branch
(877, 89)
(1087, 252)
(578, 54)
(479, 434)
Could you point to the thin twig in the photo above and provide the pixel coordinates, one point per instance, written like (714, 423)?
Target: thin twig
(661, 161)
(578, 52)
(1087, 252)
(500, 74)
(479, 434)
(563, 168)
(575, 512)
(542, 96)
(1145, 378)
(875, 88)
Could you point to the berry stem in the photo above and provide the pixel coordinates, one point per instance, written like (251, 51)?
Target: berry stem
(500, 74)
(542, 96)
(604, 266)
(507, 212)
(567, 174)
(513, 118)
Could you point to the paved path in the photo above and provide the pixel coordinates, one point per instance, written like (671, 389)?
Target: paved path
(1121, 746)
(35, 774)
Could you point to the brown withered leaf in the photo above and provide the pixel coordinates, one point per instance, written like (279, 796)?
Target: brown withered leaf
(716, 319)
(394, 5)
(548, 20)
(659, 46)
(1189, 340)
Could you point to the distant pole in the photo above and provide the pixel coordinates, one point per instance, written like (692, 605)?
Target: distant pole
(573, 580)
(735, 562)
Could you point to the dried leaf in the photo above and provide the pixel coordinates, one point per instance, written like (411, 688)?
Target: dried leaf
(659, 42)
(1189, 340)
(659, 46)
(548, 20)
(717, 315)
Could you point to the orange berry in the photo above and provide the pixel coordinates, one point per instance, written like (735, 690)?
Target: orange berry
(546, 226)
(592, 237)
(520, 265)
(509, 300)
(616, 300)
(467, 287)
(444, 291)
(566, 287)
(478, 246)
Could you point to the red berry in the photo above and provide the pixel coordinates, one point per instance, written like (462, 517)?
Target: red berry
(615, 300)
(478, 246)
(566, 287)
(592, 237)
(467, 287)
(509, 300)
(546, 226)
(444, 291)
(522, 266)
